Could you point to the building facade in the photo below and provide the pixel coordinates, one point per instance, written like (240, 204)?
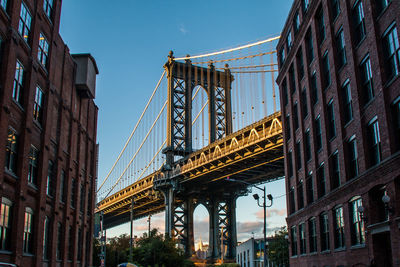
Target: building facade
(48, 123)
(339, 65)
(250, 253)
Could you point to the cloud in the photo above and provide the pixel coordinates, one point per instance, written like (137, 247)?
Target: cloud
(182, 28)
(271, 213)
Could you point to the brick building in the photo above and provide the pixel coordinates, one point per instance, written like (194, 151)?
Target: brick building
(48, 123)
(339, 64)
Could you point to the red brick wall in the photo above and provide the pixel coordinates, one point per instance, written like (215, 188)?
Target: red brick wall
(67, 136)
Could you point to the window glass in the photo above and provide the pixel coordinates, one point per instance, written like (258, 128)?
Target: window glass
(321, 180)
(331, 120)
(38, 105)
(48, 8)
(366, 80)
(293, 240)
(28, 235)
(25, 20)
(374, 141)
(5, 224)
(326, 74)
(324, 225)
(358, 21)
(339, 227)
(347, 102)
(391, 51)
(352, 163)
(33, 165)
(18, 82)
(43, 52)
(341, 49)
(312, 227)
(357, 224)
(11, 151)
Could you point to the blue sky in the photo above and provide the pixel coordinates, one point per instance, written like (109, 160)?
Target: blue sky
(130, 41)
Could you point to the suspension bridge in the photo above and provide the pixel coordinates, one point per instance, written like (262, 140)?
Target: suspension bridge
(210, 118)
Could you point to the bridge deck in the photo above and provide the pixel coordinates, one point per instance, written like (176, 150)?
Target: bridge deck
(253, 154)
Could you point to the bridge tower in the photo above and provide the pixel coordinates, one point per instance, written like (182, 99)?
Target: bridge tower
(182, 78)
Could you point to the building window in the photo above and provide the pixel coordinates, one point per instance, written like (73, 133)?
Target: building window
(33, 165)
(347, 102)
(289, 41)
(70, 243)
(290, 164)
(359, 23)
(304, 105)
(318, 133)
(285, 93)
(82, 196)
(335, 8)
(11, 151)
(396, 122)
(38, 105)
(43, 52)
(28, 235)
(50, 179)
(295, 117)
(302, 235)
(309, 47)
(79, 258)
(340, 49)
(374, 142)
(63, 187)
(59, 242)
(5, 224)
(366, 80)
(18, 82)
(307, 145)
(300, 64)
(73, 188)
(89, 199)
(3, 4)
(46, 229)
(292, 204)
(310, 188)
(282, 55)
(293, 240)
(287, 127)
(331, 120)
(339, 227)
(381, 5)
(48, 8)
(25, 20)
(296, 23)
(314, 89)
(292, 79)
(304, 5)
(321, 180)
(357, 224)
(320, 25)
(324, 225)
(352, 163)
(298, 155)
(300, 195)
(335, 170)
(312, 228)
(391, 51)
(326, 74)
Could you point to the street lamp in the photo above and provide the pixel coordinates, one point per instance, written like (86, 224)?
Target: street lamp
(264, 206)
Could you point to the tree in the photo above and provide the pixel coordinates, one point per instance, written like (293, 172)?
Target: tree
(157, 250)
(278, 248)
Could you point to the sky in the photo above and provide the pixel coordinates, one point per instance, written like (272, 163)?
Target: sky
(130, 41)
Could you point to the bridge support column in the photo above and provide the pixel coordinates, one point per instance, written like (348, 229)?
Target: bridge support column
(223, 228)
(169, 210)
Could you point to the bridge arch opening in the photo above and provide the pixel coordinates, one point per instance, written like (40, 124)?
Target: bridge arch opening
(200, 118)
(201, 227)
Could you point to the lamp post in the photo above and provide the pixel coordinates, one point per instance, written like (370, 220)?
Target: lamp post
(264, 206)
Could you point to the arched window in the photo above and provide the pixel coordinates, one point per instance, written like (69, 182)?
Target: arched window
(5, 223)
(357, 224)
(28, 235)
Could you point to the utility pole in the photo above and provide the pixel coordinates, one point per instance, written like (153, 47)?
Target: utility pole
(131, 243)
(149, 221)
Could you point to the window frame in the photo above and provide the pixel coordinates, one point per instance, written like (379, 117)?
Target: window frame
(335, 170)
(341, 48)
(6, 209)
(25, 23)
(27, 246)
(330, 112)
(33, 162)
(366, 78)
(358, 19)
(38, 105)
(324, 229)
(339, 228)
(357, 230)
(374, 140)
(391, 60)
(48, 9)
(43, 51)
(18, 84)
(347, 102)
(326, 70)
(11, 159)
(352, 158)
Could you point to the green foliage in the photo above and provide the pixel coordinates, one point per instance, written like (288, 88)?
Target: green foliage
(153, 250)
(278, 249)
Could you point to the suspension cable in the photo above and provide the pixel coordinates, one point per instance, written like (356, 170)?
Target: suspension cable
(231, 49)
(236, 58)
(137, 151)
(134, 130)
